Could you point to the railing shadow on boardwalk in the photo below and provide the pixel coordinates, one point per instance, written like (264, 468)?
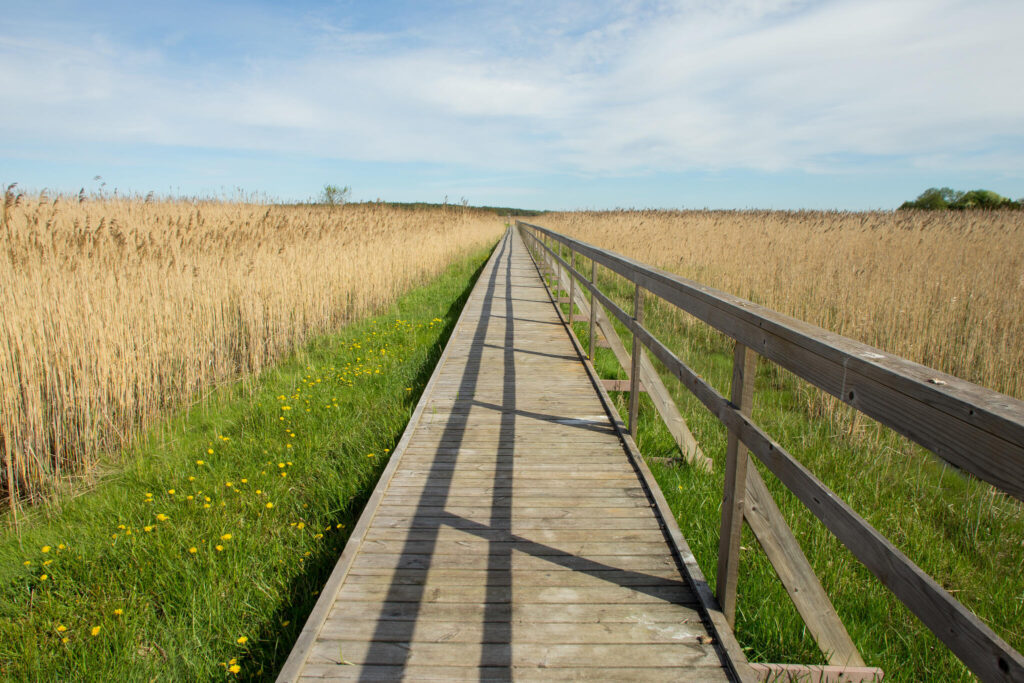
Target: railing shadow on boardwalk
(496, 654)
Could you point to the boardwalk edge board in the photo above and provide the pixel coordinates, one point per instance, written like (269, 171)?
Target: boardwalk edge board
(293, 666)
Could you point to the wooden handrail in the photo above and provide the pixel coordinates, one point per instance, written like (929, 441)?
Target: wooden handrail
(977, 429)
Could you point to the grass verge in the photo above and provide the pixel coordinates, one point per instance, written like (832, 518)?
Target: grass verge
(202, 558)
(960, 531)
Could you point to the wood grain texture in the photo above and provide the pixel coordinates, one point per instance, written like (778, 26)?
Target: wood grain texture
(513, 538)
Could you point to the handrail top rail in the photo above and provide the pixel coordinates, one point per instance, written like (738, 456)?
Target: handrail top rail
(973, 427)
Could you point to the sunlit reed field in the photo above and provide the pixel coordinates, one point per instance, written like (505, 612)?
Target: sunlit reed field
(113, 310)
(945, 289)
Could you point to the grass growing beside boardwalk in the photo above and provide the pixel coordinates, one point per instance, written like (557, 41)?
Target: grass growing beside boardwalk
(202, 559)
(969, 538)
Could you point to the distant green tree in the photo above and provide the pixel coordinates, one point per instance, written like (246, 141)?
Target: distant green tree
(934, 198)
(982, 199)
(333, 195)
(940, 198)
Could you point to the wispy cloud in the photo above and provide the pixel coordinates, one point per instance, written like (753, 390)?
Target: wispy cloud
(577, 87)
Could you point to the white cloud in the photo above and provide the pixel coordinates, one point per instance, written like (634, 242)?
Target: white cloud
(578, 87)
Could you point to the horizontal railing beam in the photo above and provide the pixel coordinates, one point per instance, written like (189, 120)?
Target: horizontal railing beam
(976, 429)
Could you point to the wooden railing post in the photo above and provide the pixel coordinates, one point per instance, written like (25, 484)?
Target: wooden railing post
(634, 372)
(593, 311)
(744, 367)
(572, 284)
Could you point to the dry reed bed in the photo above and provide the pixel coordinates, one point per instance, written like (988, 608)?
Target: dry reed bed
(114, 310)
(942, 289)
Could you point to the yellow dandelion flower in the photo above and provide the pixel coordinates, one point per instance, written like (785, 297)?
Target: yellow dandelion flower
(95, 630)
(189, 498)
(121, 526)
(61, 546)
(210, 451)
(45, 548)
(245, 481)
(118, 611)
(200, 462)
(219, 548)
(206, 505)
(280, 464)
(369, 455)
(228, 484)
(61, 628)
(170, 491)
(27, 562)
(284, 474)
(43, 577)
(270, 505)
(191, 478)
(242, 640)
(301, 525)
(234, 668)
(285, 623)
(147, 529)
(206, 498)
(162, 517)
(193, 550)
(64, 639)
(46, 562)
(226, 537)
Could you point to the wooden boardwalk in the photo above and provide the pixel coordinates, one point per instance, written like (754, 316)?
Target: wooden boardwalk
(512, 535)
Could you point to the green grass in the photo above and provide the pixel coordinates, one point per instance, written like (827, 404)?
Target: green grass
(967, 537)
(207, 549)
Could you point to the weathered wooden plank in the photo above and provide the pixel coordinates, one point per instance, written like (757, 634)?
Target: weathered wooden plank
(796, 573)
(623, 674)
(460, 547)
(621, 385)
(540, 655)
(472, 612)
(744, 368)
(634, 367)
(803, 673)
(526, 632)
(520, 595)
(522, 526)
(537, 577)
(632, 563)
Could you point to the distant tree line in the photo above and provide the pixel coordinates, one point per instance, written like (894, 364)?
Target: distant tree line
(941, 198)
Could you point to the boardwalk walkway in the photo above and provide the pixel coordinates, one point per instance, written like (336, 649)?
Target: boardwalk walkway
(511, 536)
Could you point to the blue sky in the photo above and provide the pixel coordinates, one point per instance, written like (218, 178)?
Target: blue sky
(848, 104)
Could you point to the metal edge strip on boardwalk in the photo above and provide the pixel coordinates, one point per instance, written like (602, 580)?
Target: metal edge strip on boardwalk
(714, 618)
(296, 661)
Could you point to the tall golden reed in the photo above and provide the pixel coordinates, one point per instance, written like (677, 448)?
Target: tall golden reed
(113, 310)
(943, 289)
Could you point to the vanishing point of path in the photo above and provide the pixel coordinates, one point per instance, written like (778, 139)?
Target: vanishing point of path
(511, 537)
